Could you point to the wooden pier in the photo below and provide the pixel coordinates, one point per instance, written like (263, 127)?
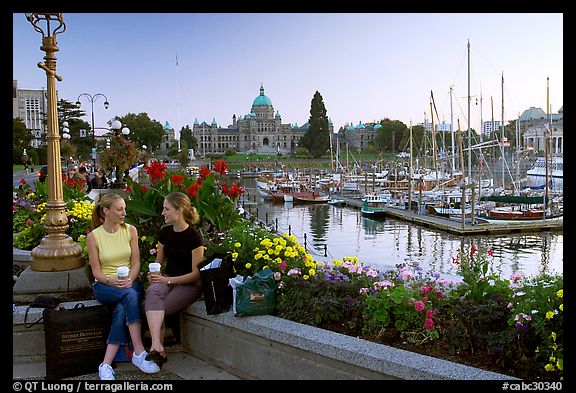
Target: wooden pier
(455, 226)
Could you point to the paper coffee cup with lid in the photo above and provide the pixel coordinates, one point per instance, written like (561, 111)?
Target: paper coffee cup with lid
(154, 267)
(123, 271)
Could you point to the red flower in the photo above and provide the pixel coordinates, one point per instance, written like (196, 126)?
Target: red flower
(220, 167)
(193, 189)
(204, 173)
(473, 249)
(156, 170)
(177, 179)
(491, 252)
(22, 181)
(128, 188)
(233, 192)
(143, 188)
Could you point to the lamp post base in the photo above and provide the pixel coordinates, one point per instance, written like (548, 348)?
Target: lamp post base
(56, 252)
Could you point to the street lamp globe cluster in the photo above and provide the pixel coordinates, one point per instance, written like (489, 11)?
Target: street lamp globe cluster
(116, 126)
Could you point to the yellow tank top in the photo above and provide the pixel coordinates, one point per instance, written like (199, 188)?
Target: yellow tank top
(113, 248)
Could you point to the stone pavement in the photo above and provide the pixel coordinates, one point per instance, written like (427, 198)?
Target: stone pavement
(180, 366)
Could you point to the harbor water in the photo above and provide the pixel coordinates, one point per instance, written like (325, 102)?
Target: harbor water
(331, 232)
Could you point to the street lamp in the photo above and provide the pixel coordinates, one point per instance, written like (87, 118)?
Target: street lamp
(92, 99)
(57, 251)
(116, 125)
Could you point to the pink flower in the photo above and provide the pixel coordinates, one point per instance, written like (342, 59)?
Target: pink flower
(428, 324)
(429, 314)
(419, 305)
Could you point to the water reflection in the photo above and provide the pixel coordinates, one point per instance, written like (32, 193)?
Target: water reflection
(335, 232)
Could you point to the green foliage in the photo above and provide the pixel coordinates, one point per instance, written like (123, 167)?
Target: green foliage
(317, 138)
(29, 210)
(537, 319)
(331, 297)
(143, 130)
(408, 301)
(21, 138)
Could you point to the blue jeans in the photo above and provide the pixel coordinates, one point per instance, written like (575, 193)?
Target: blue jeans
(127, 309)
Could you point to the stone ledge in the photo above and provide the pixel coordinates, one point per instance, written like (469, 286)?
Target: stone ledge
(260, 347)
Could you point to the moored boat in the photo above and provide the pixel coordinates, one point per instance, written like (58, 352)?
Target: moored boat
(373, 205)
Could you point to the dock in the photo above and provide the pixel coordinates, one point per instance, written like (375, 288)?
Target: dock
(455, 226)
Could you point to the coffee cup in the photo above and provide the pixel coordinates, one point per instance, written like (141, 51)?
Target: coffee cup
(154, 267)
(123, 271)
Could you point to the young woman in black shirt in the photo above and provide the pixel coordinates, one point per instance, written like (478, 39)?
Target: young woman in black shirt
(180, 250)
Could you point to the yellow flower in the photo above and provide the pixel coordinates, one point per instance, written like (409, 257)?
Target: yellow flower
(248, 265)
(234, 255)
(305, 277)
(237, 245)
(143, 238)
(312, 272)
(561, 307)
(560, 293)
(549, 367)
(549, 315)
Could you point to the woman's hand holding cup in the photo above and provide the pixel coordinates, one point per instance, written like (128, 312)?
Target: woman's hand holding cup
(154, 272)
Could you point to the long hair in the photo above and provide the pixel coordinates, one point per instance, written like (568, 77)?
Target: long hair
(105, 201)
(181, 201)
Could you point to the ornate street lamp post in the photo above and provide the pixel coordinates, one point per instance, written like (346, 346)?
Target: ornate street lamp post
(92, 99)
(57, 251)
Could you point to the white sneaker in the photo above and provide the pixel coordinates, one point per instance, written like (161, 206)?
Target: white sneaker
(106, 372)
(147, 366)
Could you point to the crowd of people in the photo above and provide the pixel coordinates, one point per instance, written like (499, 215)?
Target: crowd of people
(113, 247)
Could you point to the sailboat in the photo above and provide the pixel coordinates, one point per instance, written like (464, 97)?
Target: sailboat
(508, 209)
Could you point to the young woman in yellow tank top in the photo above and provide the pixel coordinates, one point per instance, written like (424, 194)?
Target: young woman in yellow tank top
(113, 244)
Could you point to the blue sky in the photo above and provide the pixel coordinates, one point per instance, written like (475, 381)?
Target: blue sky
(366, 66)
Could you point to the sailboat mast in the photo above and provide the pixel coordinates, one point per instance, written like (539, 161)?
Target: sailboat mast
(469, 132)
(411, 171)
(546, 137)
(494, 138)
(452, 130)
(433, 141)
(503, 137)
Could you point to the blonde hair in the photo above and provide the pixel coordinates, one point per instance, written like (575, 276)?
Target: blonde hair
(105, 201)
(181, 201)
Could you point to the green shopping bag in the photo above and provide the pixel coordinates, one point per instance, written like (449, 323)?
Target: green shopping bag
(256, 295)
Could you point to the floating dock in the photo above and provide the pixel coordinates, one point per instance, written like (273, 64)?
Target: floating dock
(456, 227)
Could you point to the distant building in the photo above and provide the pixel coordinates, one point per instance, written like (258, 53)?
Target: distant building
(534, 137)
(168, 140)
(30, 106)
(358, 137)
(260, 131)
(490, 127)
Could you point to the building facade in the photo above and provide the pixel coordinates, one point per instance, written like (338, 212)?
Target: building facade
(260, 131)
(31, 107)
(534, 138)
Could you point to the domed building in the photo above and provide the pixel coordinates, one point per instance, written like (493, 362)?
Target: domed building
(259, 131)
(357, 137)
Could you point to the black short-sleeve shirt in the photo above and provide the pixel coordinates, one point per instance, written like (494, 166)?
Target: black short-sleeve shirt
(178, 248)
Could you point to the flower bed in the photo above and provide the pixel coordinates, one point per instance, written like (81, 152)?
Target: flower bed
(513, 326)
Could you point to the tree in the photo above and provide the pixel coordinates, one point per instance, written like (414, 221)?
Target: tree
(21, 138)
(143, 130)
(390, 135)
(317, 137)
(186, 135)
(79, 145)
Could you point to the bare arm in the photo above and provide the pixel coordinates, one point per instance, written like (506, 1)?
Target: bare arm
(94, 259)
(197, 256)
(134, 254)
